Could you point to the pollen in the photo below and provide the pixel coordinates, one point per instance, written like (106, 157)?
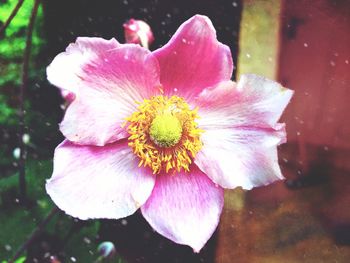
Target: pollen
(164, 134)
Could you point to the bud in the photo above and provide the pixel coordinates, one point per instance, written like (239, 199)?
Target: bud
(138, 32)
(106, 249)
(67, 95)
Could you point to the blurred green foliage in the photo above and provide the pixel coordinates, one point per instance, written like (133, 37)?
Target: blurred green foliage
(38, 121)
(12, 45)
(20, 260)
(13, 42)
(73, 238)
(78, 239)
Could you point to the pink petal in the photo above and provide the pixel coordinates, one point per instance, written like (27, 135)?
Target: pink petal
(193, 59)
(98, 182)
(108, 86)
(241, 134)
(241, 157)
(185, 207)
(62, 71)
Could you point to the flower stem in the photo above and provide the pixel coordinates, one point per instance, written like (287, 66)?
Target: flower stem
(26, 56)
(13, 14)
(34, 234)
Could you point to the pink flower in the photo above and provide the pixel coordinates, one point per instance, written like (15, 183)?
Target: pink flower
(138, 32)
(164, 131)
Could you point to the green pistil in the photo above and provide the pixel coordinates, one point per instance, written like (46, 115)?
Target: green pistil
(165, 130)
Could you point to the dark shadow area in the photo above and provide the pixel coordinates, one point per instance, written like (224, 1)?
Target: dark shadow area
(136, 241)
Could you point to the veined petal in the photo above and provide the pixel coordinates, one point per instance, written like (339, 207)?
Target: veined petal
(253, 101)
(108, 83)
(241, 157)
(62, 71)
(98, 182)
(185, 207)
(241, 133)
(193, 59)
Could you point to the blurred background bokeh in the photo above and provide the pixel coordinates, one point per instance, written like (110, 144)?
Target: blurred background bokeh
(303, 44)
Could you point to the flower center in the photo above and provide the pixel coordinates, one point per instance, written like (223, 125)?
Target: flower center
(164, 134)
(165, 130)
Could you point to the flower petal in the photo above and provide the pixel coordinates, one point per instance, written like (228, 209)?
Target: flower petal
(254, 101)
(193, 59)
(241, 157)
(241, 134)
(185, 207)
(108, 83)
(98, 182)
(62, 71)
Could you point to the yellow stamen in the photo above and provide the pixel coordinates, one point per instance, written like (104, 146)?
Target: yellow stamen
(164, 134)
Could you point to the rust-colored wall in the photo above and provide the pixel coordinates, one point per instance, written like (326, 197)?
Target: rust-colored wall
(315, 62)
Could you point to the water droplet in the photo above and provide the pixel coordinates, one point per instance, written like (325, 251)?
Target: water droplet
(54, 259)
(16, 153)
(332, 63)
(73, 259)
(298, 133)
(124, 222)
(26, 138)
(184, 40)
(234, 4)
(326, 148)
(248, 55)
(8, 248)
(87, 240)
(346, 61)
